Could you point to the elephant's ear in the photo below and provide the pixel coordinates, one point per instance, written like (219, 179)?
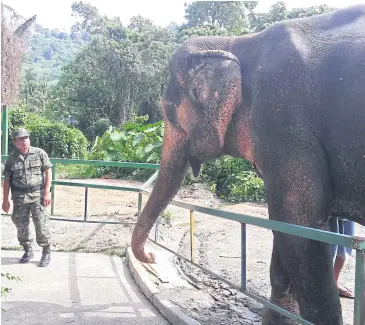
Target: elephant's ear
(214, 80)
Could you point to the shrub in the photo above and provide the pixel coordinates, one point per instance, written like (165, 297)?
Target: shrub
(5, 291)
(230, 178)
(57, 139)
(233, 179)
(132, 142)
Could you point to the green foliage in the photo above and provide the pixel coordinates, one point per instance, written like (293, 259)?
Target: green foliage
(279, 12)
(57, 139)
(166, 218)
(98, 128)
(132, 142)
(206, 30)
(49, 51)
(5, 291)
(230, 16)
(121, 69)
(71, 171)
(233, 179)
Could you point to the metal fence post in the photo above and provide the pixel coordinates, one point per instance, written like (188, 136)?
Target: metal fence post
(85, 208)
(139, 204)
(53, 187)
(359, 304)
(4, 130)
(243, 257)
(192, 234)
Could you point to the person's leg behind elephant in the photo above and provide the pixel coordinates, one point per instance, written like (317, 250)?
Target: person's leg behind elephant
(340, 253)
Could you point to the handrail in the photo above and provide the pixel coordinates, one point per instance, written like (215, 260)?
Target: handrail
(320, 235)
(101, 186)
(301, 231)
(101, 163)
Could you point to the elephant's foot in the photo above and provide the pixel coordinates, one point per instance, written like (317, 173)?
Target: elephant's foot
(271, 317)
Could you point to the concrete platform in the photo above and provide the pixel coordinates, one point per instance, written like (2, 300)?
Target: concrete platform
(76, 288)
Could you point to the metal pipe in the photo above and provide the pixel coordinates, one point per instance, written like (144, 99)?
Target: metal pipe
(93, 221)
(243, 257)
(192, 234)
(4, 130)
(300, 231)
(359, 303)
(85, 208)
(139, 204)
(53, 187)
(150, 180)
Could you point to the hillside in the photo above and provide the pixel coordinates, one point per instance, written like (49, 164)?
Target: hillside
(50, 50)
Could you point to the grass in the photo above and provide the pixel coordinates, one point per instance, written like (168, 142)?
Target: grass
(71, 171)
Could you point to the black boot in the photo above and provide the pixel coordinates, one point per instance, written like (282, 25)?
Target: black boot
(28, 254)
(46, 256)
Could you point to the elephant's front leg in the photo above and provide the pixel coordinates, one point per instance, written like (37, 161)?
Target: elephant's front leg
(300, 193)
(282, 293)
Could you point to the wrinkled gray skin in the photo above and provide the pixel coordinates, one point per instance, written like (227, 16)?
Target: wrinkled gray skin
(291, 100)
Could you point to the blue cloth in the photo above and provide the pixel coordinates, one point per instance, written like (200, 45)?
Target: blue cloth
(343, 227)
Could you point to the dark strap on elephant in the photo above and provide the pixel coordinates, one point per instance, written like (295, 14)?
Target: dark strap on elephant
(29, 189)
(216, 54)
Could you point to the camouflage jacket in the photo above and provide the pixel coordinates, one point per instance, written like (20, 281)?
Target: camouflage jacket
(27, 171)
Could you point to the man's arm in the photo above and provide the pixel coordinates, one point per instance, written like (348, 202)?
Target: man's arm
(48, 181)
(46, 167)
(8, 172)
(6, 190)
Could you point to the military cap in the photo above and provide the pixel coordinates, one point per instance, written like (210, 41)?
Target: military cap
(19, 133)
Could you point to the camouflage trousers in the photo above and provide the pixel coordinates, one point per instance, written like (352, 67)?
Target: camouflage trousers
(20, 217)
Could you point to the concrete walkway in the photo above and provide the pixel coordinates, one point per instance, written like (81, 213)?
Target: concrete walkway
(76, 289)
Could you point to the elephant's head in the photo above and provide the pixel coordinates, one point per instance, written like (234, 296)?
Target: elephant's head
(203, 93)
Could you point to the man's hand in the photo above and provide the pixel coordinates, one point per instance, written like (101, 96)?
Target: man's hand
(6, 206)
(47, 198)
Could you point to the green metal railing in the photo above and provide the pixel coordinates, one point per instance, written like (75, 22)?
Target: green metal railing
(86, 186)
(355, 243)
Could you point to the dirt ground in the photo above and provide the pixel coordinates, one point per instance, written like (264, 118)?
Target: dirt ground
(217, 246)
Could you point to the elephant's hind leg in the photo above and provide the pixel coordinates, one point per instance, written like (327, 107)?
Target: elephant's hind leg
(300, 192)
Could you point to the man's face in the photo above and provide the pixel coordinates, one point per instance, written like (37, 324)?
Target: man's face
(22, 143)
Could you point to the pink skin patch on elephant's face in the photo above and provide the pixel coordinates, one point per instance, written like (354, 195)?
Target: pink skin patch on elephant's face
(245, 143)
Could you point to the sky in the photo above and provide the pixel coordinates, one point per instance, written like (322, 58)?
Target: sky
(57, 13)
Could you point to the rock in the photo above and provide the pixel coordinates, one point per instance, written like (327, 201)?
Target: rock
(239, 310)
(222, 305)
(240, 295)
(227, 293)
(225, 286)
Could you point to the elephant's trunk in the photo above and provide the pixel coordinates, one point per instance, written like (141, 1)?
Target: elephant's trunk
(173, 167)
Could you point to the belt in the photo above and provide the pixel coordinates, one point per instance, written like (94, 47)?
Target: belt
(29, 189)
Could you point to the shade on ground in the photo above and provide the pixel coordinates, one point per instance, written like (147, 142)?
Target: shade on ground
(76, 289)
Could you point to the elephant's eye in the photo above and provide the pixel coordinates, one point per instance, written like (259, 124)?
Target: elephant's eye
(194, 94)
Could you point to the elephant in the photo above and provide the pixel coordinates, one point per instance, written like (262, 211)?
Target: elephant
(291, 100)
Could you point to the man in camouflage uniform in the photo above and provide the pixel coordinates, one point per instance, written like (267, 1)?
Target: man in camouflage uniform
(28, 174)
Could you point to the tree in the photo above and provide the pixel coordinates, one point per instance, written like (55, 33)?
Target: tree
(122, 71)
(14, 35)
(34, 93)
(206, 30)
(228, 15)
(279, 12)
